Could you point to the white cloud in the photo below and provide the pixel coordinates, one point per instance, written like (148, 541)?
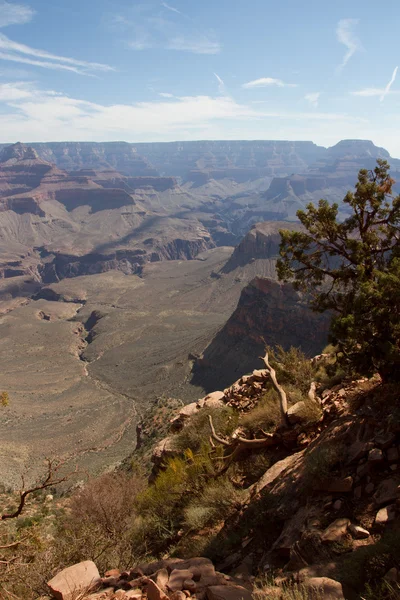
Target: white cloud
(15, 91)
(221, 84)
(346, 36)
(197, 45)
(14, 14)
(368, 92)
(171, 8)
(266, 82)
(31, 114)
(313, 98)
(389, 85)
(165, 95)
(16, 52)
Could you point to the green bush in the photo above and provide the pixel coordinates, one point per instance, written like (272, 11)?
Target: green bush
(266, 415)
(197, 432)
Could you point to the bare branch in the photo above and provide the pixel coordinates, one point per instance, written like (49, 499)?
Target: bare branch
(278, 388)
(216, 437)
(50, 480)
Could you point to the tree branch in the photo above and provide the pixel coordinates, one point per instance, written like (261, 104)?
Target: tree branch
(278, 388)
(49, 481)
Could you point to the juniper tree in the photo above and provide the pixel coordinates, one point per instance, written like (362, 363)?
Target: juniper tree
(352, 268)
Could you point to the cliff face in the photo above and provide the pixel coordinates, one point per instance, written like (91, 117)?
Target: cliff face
(58, 266)
(268, 313)
(261, 242)
(121, 156)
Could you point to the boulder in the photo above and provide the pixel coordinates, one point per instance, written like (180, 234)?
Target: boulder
(189, 585)
(161, 578)
(335, 531)
(359, 533)
(164, 449)
(387, 492)
(375, 456)
(71, 581)
(213, 400)
(260, 375)
(154, 592)
(385, 515)
(228, 592)
(358, 450)
(295, 413)
(133, 595)
(177, 596)
(184, 414)
(177, 579)
(328, 588)
(112, 573)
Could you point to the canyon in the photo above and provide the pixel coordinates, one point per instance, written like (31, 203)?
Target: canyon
(131, 272)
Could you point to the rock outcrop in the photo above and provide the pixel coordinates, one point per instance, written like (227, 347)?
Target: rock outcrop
(261, 242)
(267, 313)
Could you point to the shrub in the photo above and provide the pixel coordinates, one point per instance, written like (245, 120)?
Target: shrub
(292, 367)
(197, 432)
(266, 415)
(213, 505)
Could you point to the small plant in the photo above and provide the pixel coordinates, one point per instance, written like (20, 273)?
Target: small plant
(4, 399)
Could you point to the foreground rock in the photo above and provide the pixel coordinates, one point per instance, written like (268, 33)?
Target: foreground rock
(75, 580)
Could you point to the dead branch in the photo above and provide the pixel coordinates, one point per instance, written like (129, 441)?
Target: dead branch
(51, 479)
(216, 437)
(311, 392)
(14, 544)
(278, 388)
(238, 444)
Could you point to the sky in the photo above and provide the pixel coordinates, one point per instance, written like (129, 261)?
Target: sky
(144, 70)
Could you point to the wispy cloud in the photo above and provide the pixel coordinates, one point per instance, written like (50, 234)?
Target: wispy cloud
(171, 8)
(368, 92)
(16, 52)
(346, 36)
(14, 14)
(165, 95)
(221, 84)
(170, 30)
(197, 45)
(267, 82)
(389, 85)
(28, 112)
(313, 98)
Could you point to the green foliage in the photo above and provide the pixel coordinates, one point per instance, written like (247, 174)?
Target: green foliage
(213, 504)
(266, 415)
(292, 367)
(352, 268)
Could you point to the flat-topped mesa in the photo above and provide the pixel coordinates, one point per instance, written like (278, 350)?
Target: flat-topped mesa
(261, 242)
(357, 149)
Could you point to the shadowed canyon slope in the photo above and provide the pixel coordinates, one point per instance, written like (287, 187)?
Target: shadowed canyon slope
(119, 281)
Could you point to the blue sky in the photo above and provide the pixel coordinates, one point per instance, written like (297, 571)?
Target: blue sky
(144, 70)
